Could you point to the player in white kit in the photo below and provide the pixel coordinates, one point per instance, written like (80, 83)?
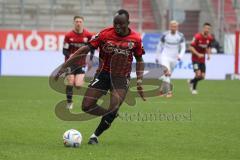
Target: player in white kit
(170, 50)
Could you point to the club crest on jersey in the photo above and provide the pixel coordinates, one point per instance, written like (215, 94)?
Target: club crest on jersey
(130, 45)
(85, 39)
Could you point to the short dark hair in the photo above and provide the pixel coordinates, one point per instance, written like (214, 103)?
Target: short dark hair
(76, 17)
(123, 11)
(207, 24)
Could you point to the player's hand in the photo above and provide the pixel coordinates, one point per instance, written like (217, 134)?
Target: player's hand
(208, 57)
(140, 89)
(178, 58)
(59, 73)
(200, 55)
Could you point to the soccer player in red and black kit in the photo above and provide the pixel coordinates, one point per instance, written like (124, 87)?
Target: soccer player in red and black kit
(199, 47)
(117, 46)
(73, 40)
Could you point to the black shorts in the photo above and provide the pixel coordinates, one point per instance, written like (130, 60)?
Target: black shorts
(199, 66)
(76, 69)
(104, 81)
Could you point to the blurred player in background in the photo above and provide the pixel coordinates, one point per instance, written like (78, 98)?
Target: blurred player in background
(170, 50)
(118, 45)
(200, 46)
(73, 40)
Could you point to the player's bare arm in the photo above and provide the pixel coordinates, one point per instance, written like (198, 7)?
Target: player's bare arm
(139, 67)
(66, 52)
(139, 72)
(182, 50)
(208, 53)
(78, 54)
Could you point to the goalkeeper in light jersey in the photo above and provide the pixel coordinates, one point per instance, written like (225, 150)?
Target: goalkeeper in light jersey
(171, 48)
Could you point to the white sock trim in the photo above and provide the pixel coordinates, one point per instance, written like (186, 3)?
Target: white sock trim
(93, 136)
(166, 79)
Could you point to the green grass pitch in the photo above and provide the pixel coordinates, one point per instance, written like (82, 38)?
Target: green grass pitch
(204, 127)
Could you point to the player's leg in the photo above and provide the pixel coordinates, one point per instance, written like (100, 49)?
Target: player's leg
(89, 103)
(166, 63)
(71, 81)
(69, 90)
(96, 89)
(116, 99)
(75, 78)
(195, 81)
(197, 77)
(79, 80)
(203, 70)
(165, 79)
(79, 77)
(200, 76)
(172, 66)
(118, 93)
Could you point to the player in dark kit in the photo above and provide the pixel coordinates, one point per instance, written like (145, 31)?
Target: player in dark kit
(117, 46)
(73, 40)
(199, 47)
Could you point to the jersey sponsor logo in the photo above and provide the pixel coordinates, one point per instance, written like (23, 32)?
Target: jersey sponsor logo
(77, 45)
(203, 45)
(114, 49)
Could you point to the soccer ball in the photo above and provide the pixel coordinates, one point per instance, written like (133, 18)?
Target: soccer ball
(72, 138)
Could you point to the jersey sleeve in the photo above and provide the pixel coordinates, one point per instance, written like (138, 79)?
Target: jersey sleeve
(139, 50)
(163, 37)
(182, 47)
(194, 42)
(66, 46)
(160, 44)
(96, 40)
(66, 42)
